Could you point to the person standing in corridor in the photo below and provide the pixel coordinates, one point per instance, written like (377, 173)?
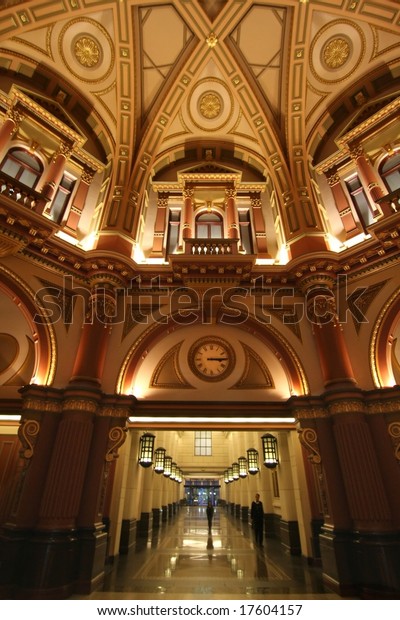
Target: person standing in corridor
(257, 519)
(210, 514)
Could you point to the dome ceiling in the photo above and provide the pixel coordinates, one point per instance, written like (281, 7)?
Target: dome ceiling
(267, 79)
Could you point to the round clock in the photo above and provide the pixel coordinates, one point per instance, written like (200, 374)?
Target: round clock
(211, 358)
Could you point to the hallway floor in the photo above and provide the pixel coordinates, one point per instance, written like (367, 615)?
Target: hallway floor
(183, 561)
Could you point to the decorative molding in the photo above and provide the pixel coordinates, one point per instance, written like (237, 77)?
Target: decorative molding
(116, 437)
(80, 404)
(167, 373)
(308, 439)
(394, 432)
(28, 433)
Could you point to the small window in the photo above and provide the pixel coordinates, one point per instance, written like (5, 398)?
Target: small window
(22, 166)
(202, 443)
(245, 231)
(61, 199)
(360, 200)
(390, 172)
(173, 231)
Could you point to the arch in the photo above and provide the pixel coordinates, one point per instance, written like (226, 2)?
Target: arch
(21, 165)
(389, 171)
(266, 334)
(384, 336)
(41, 328)
(209, 225)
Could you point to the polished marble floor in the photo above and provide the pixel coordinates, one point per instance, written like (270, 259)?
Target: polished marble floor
(184, 561)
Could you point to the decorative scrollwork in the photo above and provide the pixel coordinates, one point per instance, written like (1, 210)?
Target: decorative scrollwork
(27, 433)
(308, 437)
(116, 436)
(394, 432)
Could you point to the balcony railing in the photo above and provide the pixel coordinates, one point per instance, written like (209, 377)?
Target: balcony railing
(393, 199)
(20, 193)
(211, 247)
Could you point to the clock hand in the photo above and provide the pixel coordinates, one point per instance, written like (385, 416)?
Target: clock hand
(217, 359)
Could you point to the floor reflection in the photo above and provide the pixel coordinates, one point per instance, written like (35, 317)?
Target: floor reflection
(182, 559)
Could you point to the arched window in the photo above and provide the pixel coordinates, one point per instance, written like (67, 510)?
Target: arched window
(390, 172)
(209, 225)
(22, 166)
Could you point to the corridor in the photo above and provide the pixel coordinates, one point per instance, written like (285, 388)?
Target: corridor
(183, 561)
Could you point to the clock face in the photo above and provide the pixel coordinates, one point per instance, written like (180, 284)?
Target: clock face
(211, 358)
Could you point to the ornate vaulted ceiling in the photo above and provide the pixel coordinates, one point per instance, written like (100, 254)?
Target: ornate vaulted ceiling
(272, 81)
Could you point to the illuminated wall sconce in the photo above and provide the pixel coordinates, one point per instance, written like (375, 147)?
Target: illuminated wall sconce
(173, 471)
(167, 466)
(146, 450)
(242, 466)
(226, 476)
(159, 458)
(230, 474)
(252, 461)
(270, 451)
(178, 476)
(235, 471)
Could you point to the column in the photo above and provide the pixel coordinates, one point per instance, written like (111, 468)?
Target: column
(358, 545)
(79, 199)
(132, 508)
(145, 523)
(334, 538)
(55, 171)
(89, 362)
(333, 355)
(231, 214)
(41, 410)
(9, 128)
(369, 179)
(289, 527)
(187, 228)
(109, 433)
(259, 225)
(160, 224)
(71, 451)
(342, 205)
(305, 505)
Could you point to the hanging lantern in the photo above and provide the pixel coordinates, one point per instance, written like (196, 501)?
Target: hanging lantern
(159, 458)
(178, 476)
(226, 476)
(235, 470)
(173, 471)
(252, 461)
(167, 466)
(230, 474)
(146, 450)
(242, 467)
(270, 450)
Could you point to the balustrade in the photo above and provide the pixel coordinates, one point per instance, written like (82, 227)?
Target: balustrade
(20, 193)
(211, 247)
(392, 199)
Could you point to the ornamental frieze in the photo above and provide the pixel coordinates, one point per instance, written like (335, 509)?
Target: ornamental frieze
(80, 404)
(346, 406)
(310, 413)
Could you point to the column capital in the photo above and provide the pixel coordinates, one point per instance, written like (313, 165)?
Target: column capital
(230, 192)
(332, 176)
(356, 151)
(188, 191)
(102, 306)
(16, 116)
